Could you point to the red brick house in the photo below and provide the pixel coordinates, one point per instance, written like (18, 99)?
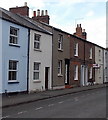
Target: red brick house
(82, 58)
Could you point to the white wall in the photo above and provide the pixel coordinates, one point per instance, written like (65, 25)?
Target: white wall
(99, 60)
(44, 57)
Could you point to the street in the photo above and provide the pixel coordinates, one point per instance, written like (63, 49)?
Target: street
(86, 104)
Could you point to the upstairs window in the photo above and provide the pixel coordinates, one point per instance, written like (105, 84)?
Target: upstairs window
(76, 72)
(13, 68)
(37, 41)
(76, 49)
(60, 42)
(91, 53)
(13, 36)
(36, 71)
(60, 67)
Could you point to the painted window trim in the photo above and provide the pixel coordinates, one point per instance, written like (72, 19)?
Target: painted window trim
(14, 45)
(16, 36)
(60, 42)
(36, 41)
(10, 81)
(36, 80)
(76, 72)
(91, 54)
(60, 68)
(39, 50)
(76, 49)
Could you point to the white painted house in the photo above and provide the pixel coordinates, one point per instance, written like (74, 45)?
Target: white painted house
(40, 61)
(99, 68)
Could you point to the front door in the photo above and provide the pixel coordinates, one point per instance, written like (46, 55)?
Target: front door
(46, 77)
(66, 71)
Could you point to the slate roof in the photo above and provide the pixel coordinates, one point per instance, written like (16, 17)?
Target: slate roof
(18, 19)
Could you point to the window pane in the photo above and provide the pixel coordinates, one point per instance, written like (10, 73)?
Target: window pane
(11, 39)
(36, 66)
(36, 75)
(12, 65)
(12, 75)
(36, 37)
(13, 31)
(36, 45)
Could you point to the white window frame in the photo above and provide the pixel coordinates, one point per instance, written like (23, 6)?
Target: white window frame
(14, 36)
(75, 49)
(37, 41)
(75, 72)
(90, 73)
(36, 71)
(59, 67)
(91, 53)
(13, 70)
(60, 42)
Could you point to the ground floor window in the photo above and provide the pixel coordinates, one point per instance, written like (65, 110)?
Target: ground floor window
(60, 67)
(76, 72)
(13, 69)
(36, 71)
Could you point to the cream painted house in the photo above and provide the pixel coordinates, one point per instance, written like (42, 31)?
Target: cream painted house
(40, 61)
(99, 67)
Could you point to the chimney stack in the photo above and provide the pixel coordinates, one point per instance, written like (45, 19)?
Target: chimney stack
(80, 32)
(24, 10)
(43, 17)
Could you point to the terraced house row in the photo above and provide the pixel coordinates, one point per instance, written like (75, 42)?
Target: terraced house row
(36, 56)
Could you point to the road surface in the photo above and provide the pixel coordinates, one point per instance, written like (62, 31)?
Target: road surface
(86, 104)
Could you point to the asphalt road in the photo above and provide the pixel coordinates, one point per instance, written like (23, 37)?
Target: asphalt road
(86, 104)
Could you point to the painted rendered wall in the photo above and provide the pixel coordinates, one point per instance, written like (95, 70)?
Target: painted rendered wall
(15, 53)
(99, 60)
(59, 81)
(44, 57)
(0, 55)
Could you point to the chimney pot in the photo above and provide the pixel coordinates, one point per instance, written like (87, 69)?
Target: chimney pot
(42, 13)
(83, 30)
(38, 12)
(46, 12)
(25, 4)
(34, 13)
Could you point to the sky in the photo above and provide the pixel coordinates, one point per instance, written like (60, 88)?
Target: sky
(66, 14)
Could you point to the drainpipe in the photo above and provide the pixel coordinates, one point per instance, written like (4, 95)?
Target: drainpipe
(52, 55)
(103, 66)
(84, 63)
(28, 60)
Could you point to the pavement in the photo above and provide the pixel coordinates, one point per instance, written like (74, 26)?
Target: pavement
(21, 98)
